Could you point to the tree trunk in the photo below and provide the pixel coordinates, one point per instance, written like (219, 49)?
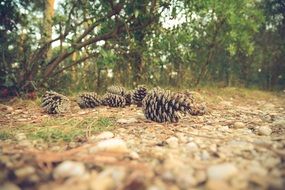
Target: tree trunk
(137, 66)
(47, 27)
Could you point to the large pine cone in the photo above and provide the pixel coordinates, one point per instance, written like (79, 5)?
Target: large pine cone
(119, 90)
(139, 94)
(164, 106)
(113, 100)
(88, 100)
(54, 103)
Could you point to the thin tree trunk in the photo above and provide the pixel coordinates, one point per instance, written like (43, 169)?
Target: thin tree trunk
(137, 66)
(47, 27)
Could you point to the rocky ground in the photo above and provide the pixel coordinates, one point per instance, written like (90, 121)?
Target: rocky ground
(238, 144)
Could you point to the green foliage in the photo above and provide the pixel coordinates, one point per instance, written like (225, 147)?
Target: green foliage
(172, 43)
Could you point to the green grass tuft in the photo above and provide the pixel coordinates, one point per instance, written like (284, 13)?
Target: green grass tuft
(55, 129)
(4, 135)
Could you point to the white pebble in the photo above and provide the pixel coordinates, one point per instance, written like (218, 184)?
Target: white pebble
(172, 142)
(223, 128)
(205, 155)
(69, 169)
(21, 136)
(134, 155)
(127, 121)
(109, 178)
(114, 145)
(221, 171)
(238, 124)
(192, 146)
(264, 130)
(102, 136)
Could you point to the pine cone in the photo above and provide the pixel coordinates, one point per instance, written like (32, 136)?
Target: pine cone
(162, 106)
(113, 100)
(119, 90)
(128, 96)
(54, 103)
(139, 94)
(88, 100)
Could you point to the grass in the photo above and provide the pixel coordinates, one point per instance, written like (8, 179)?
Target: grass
(214, 94)
(4, 135)
(59, 129)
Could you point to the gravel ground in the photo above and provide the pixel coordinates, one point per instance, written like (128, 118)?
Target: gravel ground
(238, 144)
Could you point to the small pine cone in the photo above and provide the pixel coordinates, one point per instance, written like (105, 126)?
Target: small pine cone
(54, 103)
(139, 94)
(162, 106)
(119, 90)
(88, 100)
(113, 100)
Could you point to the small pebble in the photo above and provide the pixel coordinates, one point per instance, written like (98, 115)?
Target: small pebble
(221, 171)
(21, 136)
(72, 144)
(114, 145)
(69, 169)
(25, 172)
(223, 128)
(264, 130)
(109, 178)
(134, 155)
(102, 136)
(238, 125)
(205, 155)
(192, 146)
(127, 121)
(172, 142)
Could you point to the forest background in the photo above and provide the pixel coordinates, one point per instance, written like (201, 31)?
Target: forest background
(81, 45)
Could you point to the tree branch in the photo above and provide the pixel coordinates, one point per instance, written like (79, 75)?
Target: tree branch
(75, 63)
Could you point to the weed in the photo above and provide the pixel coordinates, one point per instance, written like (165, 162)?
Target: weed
(4, 135)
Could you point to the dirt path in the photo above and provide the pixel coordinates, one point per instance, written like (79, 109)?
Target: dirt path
(238, 144)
